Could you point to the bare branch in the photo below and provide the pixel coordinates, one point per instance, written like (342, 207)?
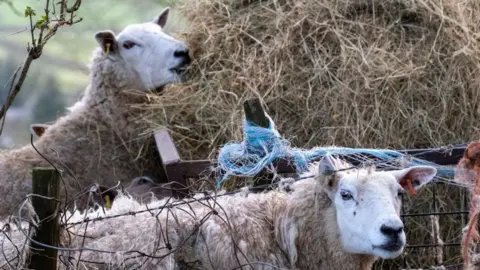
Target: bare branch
(35, 50)
(44, 25)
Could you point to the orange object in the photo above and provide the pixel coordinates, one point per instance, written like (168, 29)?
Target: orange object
(410, 187)
(407, 183)
(470, 163)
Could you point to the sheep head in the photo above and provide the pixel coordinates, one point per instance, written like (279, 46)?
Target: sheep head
(144, 188)
(144, 56)
(367, 204)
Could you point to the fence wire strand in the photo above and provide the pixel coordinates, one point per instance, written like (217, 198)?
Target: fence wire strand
(169, 236)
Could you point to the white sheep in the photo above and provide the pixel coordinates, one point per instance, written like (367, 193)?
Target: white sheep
(342, 218)
(99, 140)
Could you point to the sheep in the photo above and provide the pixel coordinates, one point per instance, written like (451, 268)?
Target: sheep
(142, 189)
(99, 139)
(339, 219)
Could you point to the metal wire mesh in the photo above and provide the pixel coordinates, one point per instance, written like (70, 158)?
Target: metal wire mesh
(433, 219)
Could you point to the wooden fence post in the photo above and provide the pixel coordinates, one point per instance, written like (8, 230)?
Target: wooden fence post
(46, 182)
(255, 113)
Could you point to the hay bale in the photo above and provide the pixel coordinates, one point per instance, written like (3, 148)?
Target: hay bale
(367, 73)
(364, 73)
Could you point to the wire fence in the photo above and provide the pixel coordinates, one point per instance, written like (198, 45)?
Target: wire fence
(162, 234)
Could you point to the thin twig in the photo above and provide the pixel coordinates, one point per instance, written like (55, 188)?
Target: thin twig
(36, 48)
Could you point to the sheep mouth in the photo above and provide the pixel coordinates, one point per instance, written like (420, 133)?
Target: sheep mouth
(159, 90)
(180, 70)
(391, 247)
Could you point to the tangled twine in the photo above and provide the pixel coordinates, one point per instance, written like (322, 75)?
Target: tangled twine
(263, 146)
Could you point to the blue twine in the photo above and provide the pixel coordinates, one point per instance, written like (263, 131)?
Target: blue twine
(262, 146)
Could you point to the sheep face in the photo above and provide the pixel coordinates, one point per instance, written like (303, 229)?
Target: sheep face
(148, 58)
(143, 187)
(367, 205)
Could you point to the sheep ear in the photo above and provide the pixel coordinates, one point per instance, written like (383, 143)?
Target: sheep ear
(38, 129)
(107, 41)
(109, 197)
(162, 18)
(418, 176)
(326, 166)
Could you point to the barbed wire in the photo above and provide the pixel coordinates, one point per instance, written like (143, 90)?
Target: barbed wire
(163, 246)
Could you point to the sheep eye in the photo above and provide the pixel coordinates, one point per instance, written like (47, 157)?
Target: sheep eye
(400, 192)
(128, 44)
(142, 181)
(346, 195)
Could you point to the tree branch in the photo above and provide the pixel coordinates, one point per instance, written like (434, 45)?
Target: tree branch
(35, 51)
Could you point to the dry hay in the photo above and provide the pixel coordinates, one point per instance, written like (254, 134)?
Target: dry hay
(393, 73)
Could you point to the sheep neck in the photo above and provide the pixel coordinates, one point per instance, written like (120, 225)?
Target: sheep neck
(119, 100)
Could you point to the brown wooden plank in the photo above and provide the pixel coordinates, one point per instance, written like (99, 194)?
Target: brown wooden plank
(171, 162)
(194, 168)
(442, 156)
(176, 175)
(166, 147)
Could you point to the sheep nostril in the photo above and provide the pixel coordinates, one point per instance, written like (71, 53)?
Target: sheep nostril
(181, 53)
(391, 231)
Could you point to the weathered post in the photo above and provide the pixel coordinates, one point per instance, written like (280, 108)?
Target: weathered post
(46, 183)
(255, 113)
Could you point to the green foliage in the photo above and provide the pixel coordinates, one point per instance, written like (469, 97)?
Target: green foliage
(43, 20)
(29, 11)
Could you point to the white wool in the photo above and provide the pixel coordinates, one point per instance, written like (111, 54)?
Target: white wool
(100, 140)
(78, 106)
(298, 229)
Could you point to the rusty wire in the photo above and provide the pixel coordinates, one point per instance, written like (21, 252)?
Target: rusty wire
(136, 259)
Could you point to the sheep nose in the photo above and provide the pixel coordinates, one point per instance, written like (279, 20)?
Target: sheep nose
(181, 53)
(391, 231)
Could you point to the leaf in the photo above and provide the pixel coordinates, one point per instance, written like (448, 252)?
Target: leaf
(29, 11)
(43, 20)
(39, 24)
